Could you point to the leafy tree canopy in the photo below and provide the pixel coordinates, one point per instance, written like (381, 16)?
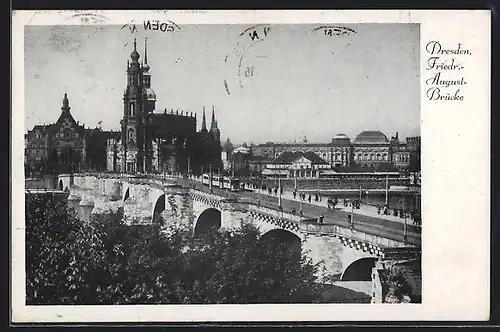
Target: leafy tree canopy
(105, 261)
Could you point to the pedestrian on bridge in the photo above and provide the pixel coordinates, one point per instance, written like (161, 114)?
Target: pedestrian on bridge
(294, 194)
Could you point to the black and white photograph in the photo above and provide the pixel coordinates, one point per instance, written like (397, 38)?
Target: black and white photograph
(168, 163)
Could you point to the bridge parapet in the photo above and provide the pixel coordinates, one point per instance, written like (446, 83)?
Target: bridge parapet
(359, 238)
(206, 198)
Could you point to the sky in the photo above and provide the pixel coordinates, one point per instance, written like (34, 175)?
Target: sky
(304, 83)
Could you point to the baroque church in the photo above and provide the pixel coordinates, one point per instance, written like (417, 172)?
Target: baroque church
(152, 141)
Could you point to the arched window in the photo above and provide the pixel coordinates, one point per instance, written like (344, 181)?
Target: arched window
(379, 156)
(132, 109)
(130, 135)
(365, 156)
(385, 157)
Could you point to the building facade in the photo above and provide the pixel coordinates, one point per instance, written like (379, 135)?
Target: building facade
(300, 165)
(64, 146)
(370, 149)
(152, 141)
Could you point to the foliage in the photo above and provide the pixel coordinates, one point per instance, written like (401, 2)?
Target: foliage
(402, 285)
(105, 261)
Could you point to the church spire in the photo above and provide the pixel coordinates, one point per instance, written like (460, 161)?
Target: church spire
(213, 123)
(135, 55)
(203, 121)
(146, 64)
(65, 106)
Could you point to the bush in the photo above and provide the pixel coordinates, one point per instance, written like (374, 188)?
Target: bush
(105, 261)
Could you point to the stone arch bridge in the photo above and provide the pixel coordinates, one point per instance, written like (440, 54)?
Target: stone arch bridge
(345, 253)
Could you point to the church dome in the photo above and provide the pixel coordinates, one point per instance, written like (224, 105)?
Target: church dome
(371, 137)
(146, 67)
(150, 94)
(341, 136)
(135, 55)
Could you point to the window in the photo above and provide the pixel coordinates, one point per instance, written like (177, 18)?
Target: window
(132, 109)
(130, 135)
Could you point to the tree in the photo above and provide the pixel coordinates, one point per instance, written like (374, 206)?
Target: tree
(105, 261)
(402, 284)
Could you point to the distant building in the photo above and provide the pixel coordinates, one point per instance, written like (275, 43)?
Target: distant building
(341, 151)
(65, 146)
(303, 165)
(226, 154)
(370, 149)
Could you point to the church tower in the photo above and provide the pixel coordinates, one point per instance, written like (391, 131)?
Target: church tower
(204, 122)
(214, 129)
(149, 100)
(133, 122)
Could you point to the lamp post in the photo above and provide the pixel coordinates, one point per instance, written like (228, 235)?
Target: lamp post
(258, 192)
(210, 177)
(405, 230)
(279, 191)
(352, 214)
(387, 191)
(295, 181)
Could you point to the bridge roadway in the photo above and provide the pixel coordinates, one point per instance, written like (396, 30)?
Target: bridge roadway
(372, 225)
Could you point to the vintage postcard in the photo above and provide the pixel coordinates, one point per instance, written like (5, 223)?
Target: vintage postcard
(210, 166)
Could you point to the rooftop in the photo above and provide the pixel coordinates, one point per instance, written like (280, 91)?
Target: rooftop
(371, 137)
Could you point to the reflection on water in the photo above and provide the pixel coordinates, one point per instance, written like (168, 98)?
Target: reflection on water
(82, 211)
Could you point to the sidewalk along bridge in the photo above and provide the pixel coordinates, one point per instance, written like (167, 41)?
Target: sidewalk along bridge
(345, 252)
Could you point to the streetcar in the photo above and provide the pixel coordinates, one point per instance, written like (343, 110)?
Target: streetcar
(222, 182)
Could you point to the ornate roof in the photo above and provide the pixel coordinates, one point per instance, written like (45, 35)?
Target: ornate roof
(371, 137)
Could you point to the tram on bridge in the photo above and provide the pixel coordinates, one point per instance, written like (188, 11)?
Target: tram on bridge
(223, 182)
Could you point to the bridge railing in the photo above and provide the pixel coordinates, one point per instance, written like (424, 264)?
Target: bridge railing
(208, 195)
(274, 213)
(328, 229)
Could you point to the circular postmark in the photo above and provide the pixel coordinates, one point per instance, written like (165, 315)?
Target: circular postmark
(66, 37)
(247, 39)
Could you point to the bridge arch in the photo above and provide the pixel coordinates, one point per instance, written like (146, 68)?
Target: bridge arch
(359, 270)
(284, 237)
(126, 194)
(209, 220)
(158, 208)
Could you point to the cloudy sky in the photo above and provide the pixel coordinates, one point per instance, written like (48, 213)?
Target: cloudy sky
(304, 83)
